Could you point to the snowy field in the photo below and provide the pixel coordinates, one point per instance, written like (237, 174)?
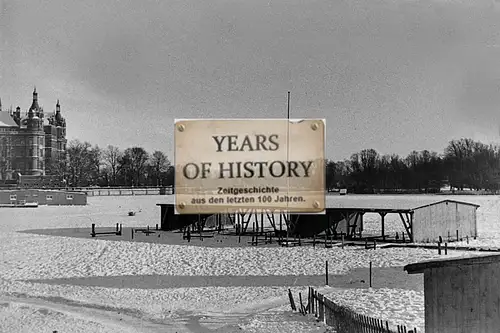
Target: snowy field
(44, 307)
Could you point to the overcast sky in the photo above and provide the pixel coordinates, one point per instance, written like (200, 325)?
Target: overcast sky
(392, 75)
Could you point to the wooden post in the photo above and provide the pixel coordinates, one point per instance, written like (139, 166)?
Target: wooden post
(93, 230)
(292, 303)
(299, 240)
(439, 248)
(374, 244)
(448, 236)
(383, 225)
(117, 228)
(440, 239)
(370, 274)
(156, 226)
(404, 241)
(287, 235)
(326, 272)
(308, 306)
(342, 240)
(467, 239)
(132, 231)
(457, 236)
(445, 248)
(281, 224)
(316, 303)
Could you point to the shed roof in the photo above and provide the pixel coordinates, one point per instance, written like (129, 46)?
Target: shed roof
(383, 202)
(374, 202)
(470, 259)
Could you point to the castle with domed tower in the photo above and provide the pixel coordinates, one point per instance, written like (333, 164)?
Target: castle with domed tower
(32, 143)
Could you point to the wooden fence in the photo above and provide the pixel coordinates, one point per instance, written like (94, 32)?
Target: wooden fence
(341, 318)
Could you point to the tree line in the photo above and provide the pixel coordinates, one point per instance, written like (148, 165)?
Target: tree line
(87, 165)
(464, 163)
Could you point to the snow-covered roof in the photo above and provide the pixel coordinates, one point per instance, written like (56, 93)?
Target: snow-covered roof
(6, 120)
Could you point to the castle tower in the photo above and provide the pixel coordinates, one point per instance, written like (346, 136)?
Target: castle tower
(17, 115)
(35, 138)
(58, 111)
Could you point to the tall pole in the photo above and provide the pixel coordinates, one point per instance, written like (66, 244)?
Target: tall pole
(288, 108)
(287, 159)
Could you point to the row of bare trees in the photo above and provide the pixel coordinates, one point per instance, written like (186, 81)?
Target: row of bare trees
(88, 165)
(464, 163)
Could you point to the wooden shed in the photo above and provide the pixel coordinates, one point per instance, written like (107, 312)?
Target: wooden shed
(461, 295)
(425, 218)
(444, 218)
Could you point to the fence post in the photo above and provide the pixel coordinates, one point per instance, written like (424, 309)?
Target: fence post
(321, 311)
(93, 229)
(326, 272)
(312, 301)
(370, 274)
(292, 303)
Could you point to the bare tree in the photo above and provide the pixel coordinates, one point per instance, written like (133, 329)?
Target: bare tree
(159, 164)
(112, 157)
(133, 164)
(80, 163)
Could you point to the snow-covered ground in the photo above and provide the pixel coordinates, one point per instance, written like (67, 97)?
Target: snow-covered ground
(39, 307)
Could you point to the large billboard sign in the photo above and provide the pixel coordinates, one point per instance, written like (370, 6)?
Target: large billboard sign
(235, 165)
